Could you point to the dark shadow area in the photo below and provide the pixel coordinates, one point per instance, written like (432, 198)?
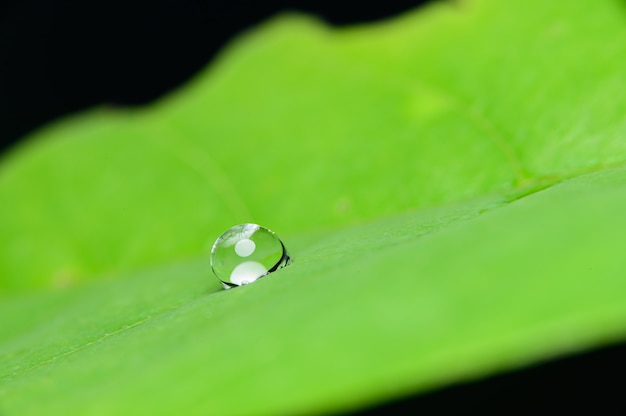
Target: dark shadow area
(591, 383)
(58, 57)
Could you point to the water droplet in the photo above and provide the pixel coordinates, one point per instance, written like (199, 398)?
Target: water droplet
(245, 253)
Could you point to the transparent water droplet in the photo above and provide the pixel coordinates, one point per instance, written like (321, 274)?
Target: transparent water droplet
(245, 253)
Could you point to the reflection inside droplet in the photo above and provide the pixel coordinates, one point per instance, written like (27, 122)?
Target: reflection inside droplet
(247, 272)
(245, 247)
(246, 252)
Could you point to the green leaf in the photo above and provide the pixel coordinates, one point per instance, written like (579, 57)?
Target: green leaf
(449, 184)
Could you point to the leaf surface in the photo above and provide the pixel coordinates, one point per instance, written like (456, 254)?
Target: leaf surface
(449, 184)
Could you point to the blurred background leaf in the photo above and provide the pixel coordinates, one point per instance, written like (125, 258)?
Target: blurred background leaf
(402, 162)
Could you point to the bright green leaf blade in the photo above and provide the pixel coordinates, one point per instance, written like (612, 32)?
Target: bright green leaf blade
(308, 130)
(516, 283)
(300, 127)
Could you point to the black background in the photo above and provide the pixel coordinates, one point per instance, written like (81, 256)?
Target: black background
(61, 56)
